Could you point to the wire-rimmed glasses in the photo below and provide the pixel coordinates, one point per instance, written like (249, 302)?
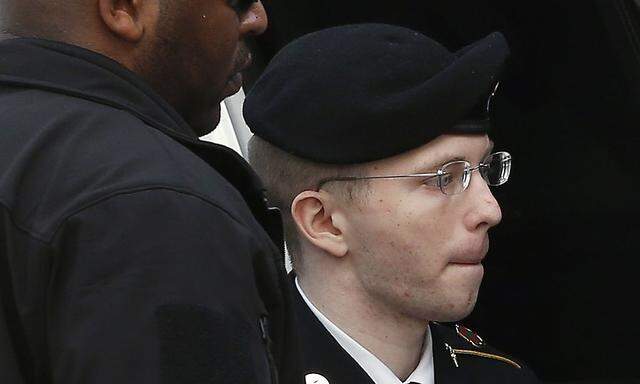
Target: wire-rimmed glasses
(453, 177)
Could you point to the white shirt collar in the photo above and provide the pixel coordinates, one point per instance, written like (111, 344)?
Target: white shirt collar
(379, 373)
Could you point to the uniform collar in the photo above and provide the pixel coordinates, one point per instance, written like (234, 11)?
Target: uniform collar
(379, 373)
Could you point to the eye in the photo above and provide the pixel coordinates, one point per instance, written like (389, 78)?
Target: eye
(446, 179)
(240, 6)
(430, 181)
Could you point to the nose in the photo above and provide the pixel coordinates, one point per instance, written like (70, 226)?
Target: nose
(484, 210)
(254, 21)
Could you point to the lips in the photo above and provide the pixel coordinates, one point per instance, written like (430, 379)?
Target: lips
(234, 82)
(476, 262)
(472, 255)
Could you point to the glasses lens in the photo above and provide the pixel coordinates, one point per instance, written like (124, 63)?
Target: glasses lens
(496, 168)
(455, 177)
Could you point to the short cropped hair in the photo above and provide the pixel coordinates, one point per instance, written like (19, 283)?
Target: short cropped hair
(285, 176)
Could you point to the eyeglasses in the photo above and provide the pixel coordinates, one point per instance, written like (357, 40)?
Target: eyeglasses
(453, 177)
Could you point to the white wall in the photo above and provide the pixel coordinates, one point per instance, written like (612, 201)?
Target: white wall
(232, 130)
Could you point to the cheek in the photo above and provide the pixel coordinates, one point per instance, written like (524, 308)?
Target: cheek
(222, 44)
(403, 241)
(215, 39)
(430, 239)
(424, 228)
(404, 247)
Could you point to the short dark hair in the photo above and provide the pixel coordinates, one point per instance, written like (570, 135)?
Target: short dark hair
(286, 175)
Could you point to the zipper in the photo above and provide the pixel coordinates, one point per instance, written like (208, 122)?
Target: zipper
(629, 24)
(263, 323)
(455, 352)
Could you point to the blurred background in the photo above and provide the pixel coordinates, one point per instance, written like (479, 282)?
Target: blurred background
(561, 278)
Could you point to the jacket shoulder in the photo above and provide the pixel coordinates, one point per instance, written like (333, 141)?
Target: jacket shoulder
(59, 154)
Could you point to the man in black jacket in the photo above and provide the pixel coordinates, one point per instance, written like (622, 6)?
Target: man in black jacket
(376, 148)
(130, 251)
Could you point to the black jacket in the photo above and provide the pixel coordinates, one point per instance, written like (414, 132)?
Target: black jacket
(130, 251)
(321, 354)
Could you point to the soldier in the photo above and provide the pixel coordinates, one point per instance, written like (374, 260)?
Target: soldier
(373, 141)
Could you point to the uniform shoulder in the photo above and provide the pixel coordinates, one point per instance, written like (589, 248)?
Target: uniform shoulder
(463, 346)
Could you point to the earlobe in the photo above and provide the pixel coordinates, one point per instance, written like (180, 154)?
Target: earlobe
(313, 216)
(122, 18)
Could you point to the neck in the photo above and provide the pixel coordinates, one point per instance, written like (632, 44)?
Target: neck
(52, 20)
(394, 339)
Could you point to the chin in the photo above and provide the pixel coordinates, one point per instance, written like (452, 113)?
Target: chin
(206, 122)
(465, 307)
(453, 315)
(215, 117)
(455, 308)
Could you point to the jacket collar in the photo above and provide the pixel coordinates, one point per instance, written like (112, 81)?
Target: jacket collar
(321, 353)
(445, 369)
(71, 70)
(75, 71)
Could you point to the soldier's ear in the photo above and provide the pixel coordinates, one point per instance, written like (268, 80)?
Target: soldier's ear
(126, 18)
(319, 222)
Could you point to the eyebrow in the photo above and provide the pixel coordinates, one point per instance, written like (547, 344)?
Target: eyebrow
(432, 165)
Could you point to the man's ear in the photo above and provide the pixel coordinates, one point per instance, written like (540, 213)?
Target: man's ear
(124, 18)
(316, 221)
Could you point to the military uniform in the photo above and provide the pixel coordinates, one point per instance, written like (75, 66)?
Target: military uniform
(459, 355)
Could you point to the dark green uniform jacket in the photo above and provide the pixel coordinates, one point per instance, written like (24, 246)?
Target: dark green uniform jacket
(456, 359)
(130, 251)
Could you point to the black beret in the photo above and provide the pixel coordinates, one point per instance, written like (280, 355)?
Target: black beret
(364, 92)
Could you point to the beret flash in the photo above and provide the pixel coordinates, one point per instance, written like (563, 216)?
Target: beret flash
(364, 92)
